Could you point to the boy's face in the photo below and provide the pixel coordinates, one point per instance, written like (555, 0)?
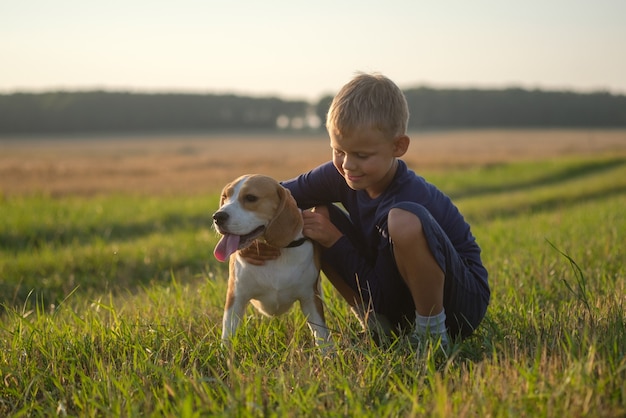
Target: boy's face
(367, 159)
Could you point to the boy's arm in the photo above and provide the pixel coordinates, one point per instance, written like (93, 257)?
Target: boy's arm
(319, 228)
(320, 186)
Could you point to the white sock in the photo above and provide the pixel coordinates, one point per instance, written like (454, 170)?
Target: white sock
(435, 326)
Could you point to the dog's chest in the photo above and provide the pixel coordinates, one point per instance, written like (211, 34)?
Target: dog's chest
(275, 286)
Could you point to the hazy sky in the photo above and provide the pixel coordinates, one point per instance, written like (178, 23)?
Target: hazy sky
(304, 49)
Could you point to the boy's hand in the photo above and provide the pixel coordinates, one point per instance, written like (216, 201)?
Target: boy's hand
(319, 228)
(259, 252)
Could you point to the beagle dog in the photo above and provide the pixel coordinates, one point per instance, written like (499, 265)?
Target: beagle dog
(258, 207)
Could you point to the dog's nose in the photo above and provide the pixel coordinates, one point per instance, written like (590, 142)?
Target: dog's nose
(220, 217)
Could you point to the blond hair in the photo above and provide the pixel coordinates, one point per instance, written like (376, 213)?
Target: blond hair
(372, 101)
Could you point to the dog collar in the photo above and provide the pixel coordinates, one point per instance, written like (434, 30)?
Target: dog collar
(297, 242)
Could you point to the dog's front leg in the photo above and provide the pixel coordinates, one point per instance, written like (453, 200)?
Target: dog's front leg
(314, 311)
(233, 313)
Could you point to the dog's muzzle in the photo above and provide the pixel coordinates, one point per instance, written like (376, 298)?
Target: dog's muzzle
(220, 217)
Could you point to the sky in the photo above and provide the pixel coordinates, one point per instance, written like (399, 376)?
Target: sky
(307, 49)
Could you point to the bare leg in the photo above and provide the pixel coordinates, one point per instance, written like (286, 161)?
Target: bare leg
(415, 262)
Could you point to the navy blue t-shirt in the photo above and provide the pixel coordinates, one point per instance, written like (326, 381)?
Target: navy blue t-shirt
(325, 185)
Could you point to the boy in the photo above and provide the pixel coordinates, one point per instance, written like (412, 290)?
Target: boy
(402, 256)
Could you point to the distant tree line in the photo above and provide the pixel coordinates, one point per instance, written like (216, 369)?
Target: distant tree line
(514, 108)
(437, 108)
(101, 111)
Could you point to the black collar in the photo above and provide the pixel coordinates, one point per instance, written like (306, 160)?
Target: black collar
(297, 242)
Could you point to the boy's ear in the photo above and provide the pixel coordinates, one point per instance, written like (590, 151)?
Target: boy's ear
(401, 145)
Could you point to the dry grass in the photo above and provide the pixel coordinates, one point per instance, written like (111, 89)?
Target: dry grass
(200, 163)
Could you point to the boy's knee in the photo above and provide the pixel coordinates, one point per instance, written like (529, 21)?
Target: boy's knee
(403, 225)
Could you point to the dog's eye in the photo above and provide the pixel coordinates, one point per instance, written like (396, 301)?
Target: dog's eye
(250, 198)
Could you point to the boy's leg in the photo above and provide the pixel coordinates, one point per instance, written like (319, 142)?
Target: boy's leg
(360, 304)
(415, 262)
(420, 271)
(360, 307)
(464, 296)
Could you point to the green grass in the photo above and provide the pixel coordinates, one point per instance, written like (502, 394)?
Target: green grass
(113, 307)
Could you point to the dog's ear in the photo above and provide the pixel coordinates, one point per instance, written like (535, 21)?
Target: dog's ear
(287, 222)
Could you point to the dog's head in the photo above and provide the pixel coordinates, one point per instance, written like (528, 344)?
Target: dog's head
(251, 207)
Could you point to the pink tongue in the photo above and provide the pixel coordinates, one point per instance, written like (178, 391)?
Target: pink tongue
(227, 245)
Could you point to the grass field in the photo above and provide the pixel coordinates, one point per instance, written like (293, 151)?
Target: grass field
(113, 301)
